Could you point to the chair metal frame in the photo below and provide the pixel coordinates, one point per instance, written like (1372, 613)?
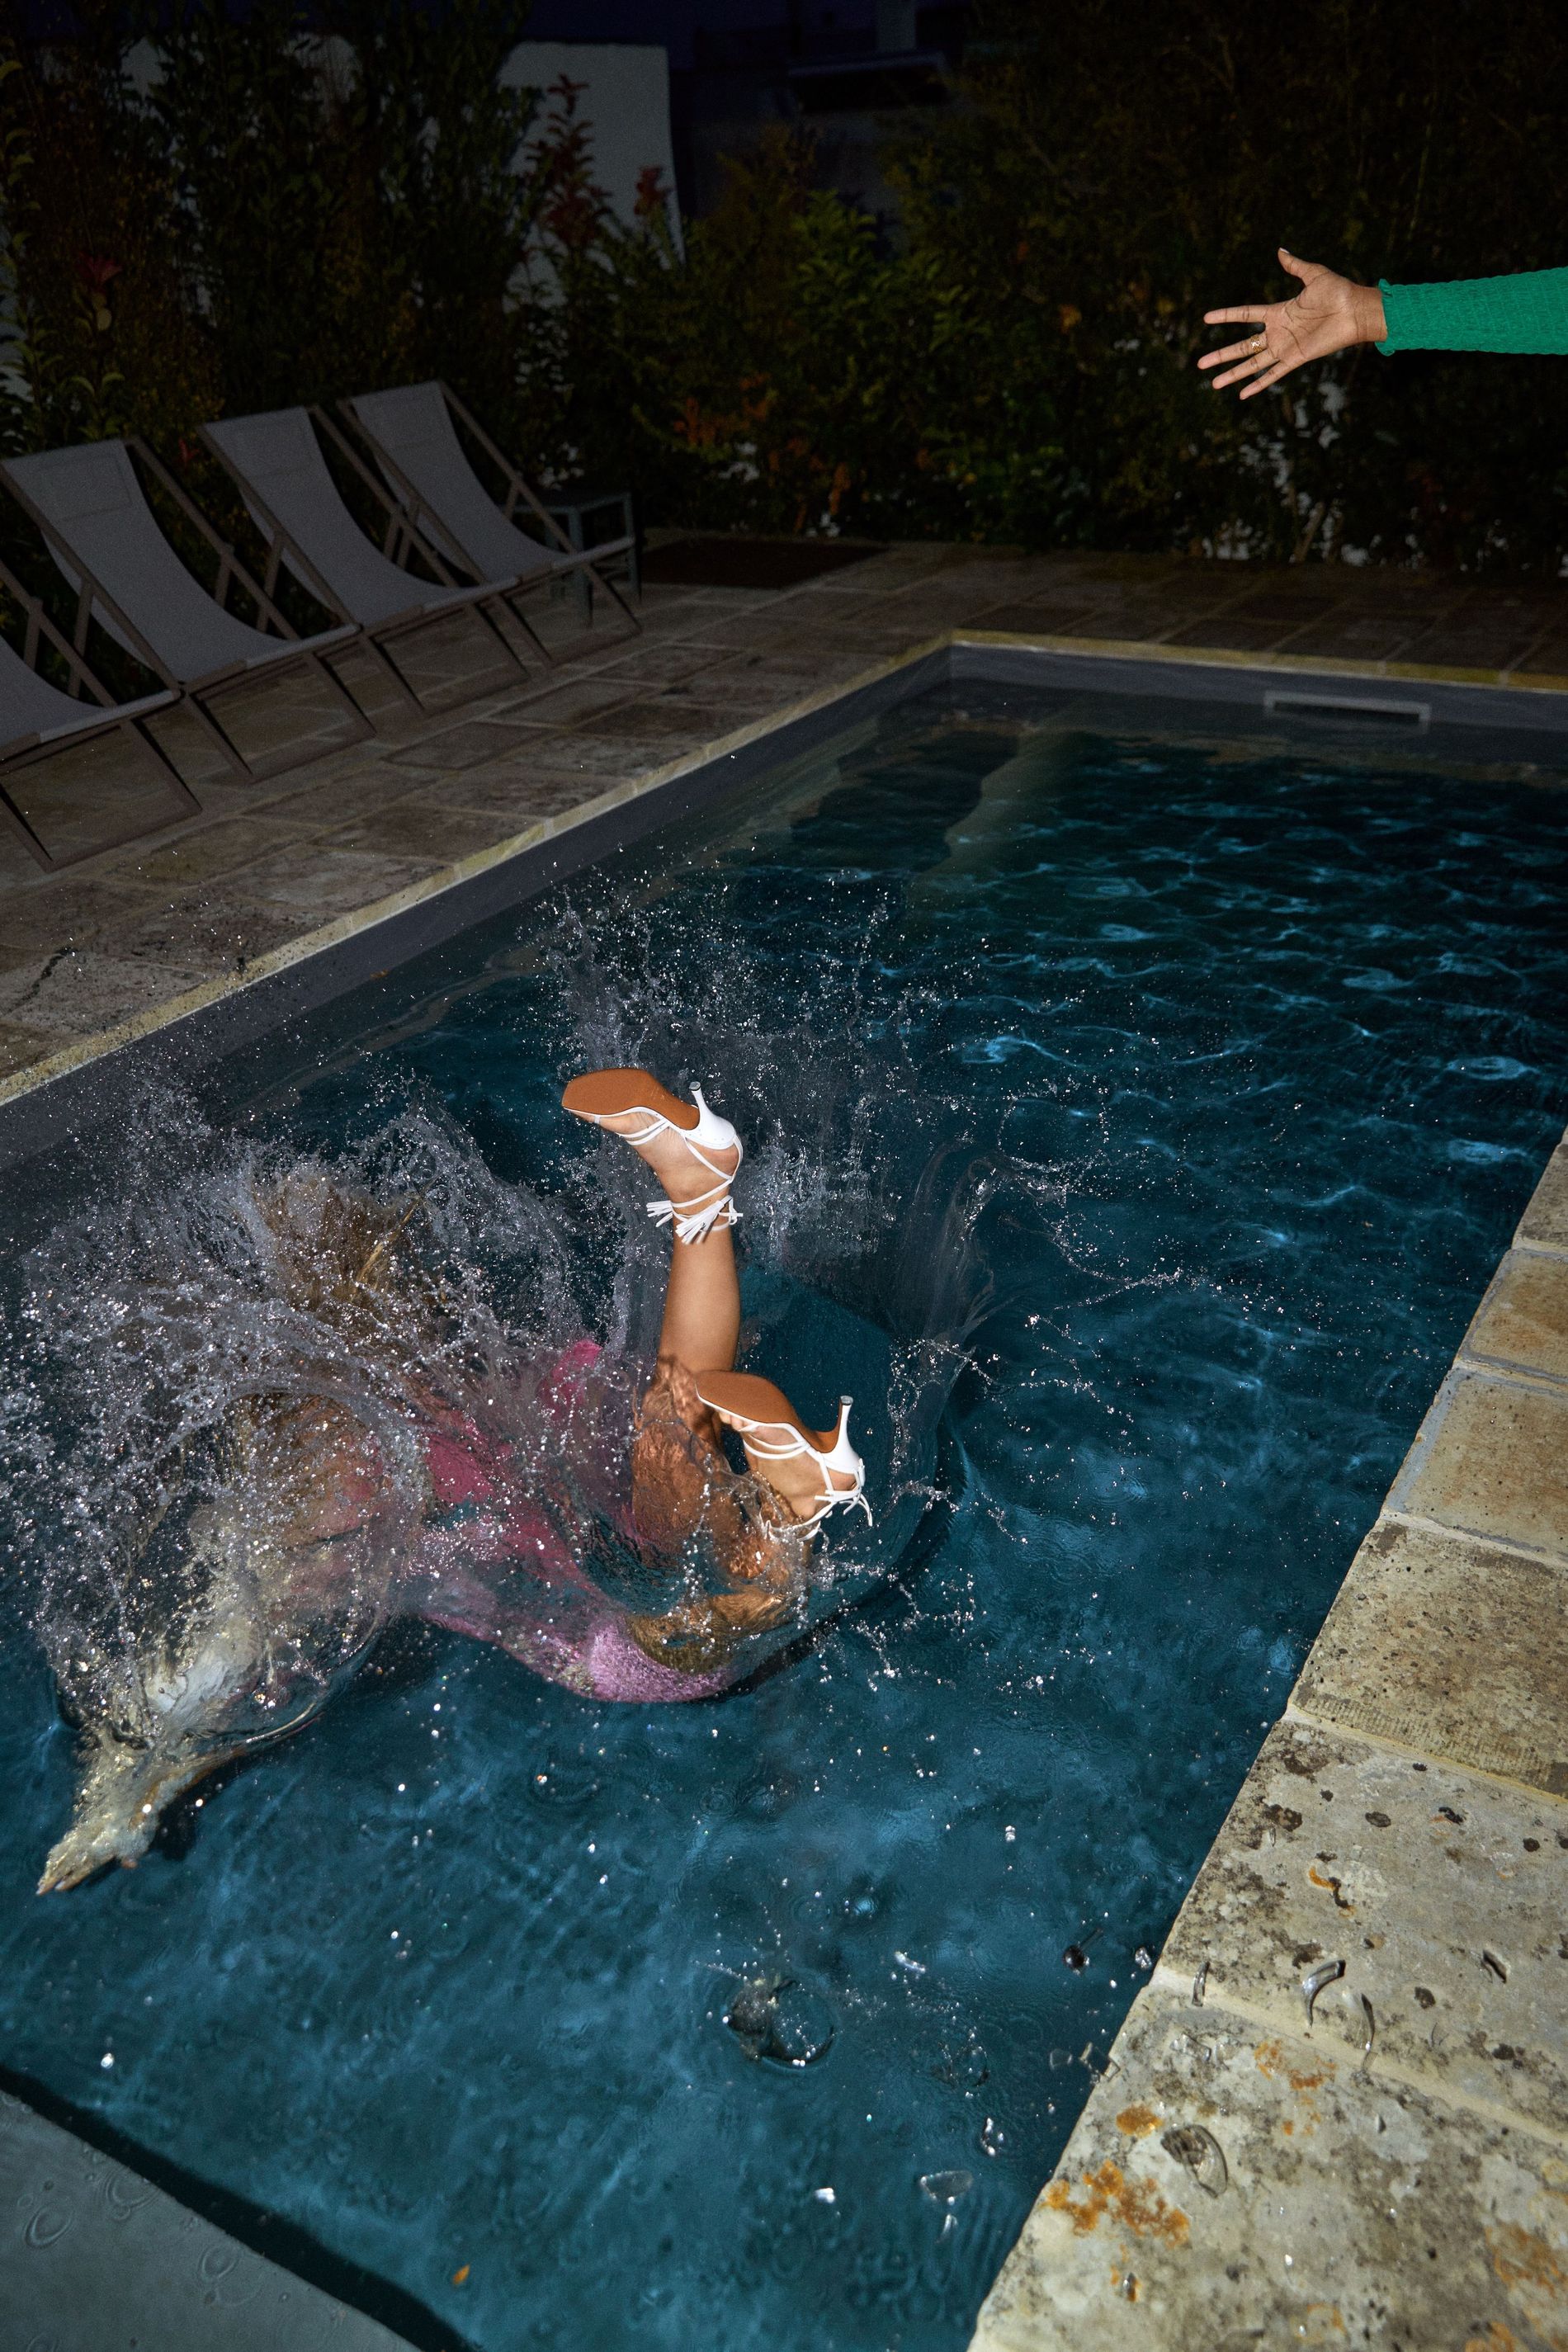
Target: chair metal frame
(400, 541)
(109, 715)
(306, 653)
(566, 560)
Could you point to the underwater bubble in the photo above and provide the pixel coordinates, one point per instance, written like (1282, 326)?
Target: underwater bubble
(946, 2187)
(962, 2065)
(779, 2021)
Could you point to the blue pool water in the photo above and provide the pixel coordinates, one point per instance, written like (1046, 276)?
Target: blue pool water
(1241, 1058)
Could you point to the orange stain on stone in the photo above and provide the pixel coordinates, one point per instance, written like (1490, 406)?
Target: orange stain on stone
(1137, 2121)
(1269, 2059)
(1137, 2205)
(1522, 2259)
(1497, 2338)
(1319, 2324)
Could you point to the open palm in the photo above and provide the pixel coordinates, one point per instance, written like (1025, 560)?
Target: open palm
(1329, 314)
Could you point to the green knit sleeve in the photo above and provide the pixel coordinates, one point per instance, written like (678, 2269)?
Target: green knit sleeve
(1525, 312)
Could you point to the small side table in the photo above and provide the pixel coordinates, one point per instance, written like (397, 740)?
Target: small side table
(576, 507)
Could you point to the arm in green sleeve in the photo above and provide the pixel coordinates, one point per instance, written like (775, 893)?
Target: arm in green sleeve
(1525, 312)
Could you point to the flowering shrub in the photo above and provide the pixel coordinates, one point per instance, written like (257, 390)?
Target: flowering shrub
(296, 210)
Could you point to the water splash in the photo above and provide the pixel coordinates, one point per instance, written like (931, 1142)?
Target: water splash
(266, 1400)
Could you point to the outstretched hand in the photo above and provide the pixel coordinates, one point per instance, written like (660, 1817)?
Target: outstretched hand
(1329, 314)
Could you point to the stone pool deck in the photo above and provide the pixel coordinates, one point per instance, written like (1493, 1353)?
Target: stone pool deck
(131, 936)
(1338, 2114)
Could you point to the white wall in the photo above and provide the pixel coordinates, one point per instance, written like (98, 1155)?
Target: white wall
(626, 104)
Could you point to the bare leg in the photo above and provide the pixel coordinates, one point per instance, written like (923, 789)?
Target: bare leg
(678, 1448)
(701, 1305)
(702, 1299)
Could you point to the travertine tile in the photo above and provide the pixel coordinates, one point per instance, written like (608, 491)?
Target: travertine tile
(200, 930)
(558, 705)
(658, 717)
(1452, 1648)
(1233, 633)
(799, 674)
(19, 1047)
(209, 850)
(512, 791)
(1491, 1459)
(333, 800)
(64, 913)
(419, 827)
(450, 660)
(89, 797)
(596, 759)
(663, 663)
(284, 713)
(328, 882)
(78, 992)
(1441, 1896)
(1545, 1220)
(1229, 2188)
(461, 746)
(1523, 1319)
(1366, 636)
(1035, 620)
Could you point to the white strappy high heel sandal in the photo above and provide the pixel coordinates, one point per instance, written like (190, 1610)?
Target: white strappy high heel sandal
(751, 1405)
(605, 1095)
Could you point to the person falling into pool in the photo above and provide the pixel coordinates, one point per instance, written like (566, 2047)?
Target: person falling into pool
(683, 1486)
(308, 1542)
(682, 1479)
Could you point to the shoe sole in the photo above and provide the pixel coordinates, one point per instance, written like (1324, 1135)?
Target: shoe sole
(611, 1094)
(752, 1398)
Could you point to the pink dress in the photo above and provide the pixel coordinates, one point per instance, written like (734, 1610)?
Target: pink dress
(561, 1625)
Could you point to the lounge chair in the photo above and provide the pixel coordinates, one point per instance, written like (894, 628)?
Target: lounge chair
(38, 720)
(106, 540)
(415, 442)
(282, 474)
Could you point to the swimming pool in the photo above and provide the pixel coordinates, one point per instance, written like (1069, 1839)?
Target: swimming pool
(1243, 1057)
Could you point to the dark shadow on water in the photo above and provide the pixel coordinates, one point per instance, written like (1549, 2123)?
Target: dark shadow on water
(265, 2233)
(893, 1593)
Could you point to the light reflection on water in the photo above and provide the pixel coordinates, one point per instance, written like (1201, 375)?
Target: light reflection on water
(1259, 1056)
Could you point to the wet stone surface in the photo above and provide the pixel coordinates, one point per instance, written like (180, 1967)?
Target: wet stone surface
(1492, 1460)
(1441, 1898)
(1524, 1319)
(1230, 2186)
(1544, 1222)
(1455, 1649)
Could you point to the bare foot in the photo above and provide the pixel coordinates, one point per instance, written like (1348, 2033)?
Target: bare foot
(683, 1176)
